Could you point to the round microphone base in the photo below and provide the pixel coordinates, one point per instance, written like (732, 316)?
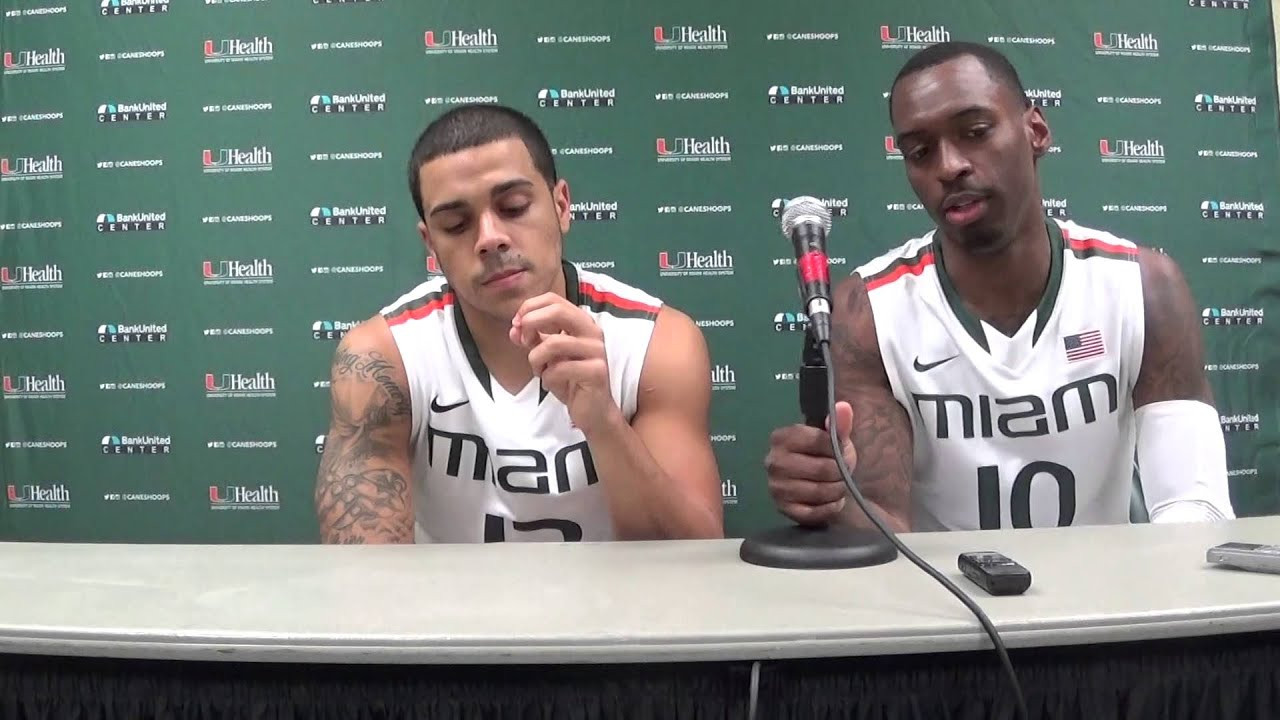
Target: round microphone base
(834, 547)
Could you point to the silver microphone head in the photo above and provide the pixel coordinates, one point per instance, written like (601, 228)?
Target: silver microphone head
(805, 209)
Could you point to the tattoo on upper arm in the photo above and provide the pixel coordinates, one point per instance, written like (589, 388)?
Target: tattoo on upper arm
(361, 496)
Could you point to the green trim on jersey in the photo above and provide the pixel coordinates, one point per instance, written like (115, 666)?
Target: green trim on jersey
(970, 322)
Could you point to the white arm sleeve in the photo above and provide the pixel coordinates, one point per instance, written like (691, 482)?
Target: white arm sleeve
(1182, 460)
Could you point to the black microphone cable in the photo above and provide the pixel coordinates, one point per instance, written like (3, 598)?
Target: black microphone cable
(847, 476)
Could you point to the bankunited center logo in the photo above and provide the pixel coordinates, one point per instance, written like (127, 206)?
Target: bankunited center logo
(1234, 104)
(238, 272)
(132, 112)
(21, 169)
(339, 104)
(1232, 316)
(1126, 44)
(144, 333)
(460, 42)
(911, 37)
(348, 216)
(690, 37)
(691, 149)
(1045, 97)
(573, 98)
(1224, 210)
(38, 497)
(24, 62)
(136, 445)
(593, 211)
(806, 95)
(255, 49)
(320, 444)
(330, 329)
(1134, 152)
(237, 385)
(130, 222)
(790, 322)
(114, 8)
(839, 207)
(236, 160)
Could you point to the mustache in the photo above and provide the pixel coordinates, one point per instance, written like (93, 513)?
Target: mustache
(496, 264)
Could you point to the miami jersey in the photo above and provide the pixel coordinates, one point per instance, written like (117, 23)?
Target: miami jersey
(491, 466)
(1031, 430)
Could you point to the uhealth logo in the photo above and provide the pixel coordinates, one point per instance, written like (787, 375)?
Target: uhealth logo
(130, 222)
(112, 8)
(839, 207)
(238, 272)
(348, 216)
(237, 385)
(1140, 152)
(243, 497)
(20, 169)
(357, 103)
(574, 98)
(911, 37)
(891, 151)
(1126, 44)
(39, 497)
(30, 277)
(433, 267)
(132, 112)
(723, 378)
(330, 329)
(460, 42)
(690, 149)
(690, 37)
(693, 263)
(136, 333)
(255, 49)
(1236, 104)
(136, 445)
(23, 62)
(806, 95)
(237, 160)
(1224, 210)
(34, 387)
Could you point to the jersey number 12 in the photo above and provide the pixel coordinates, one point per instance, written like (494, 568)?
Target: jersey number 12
(1020, 494)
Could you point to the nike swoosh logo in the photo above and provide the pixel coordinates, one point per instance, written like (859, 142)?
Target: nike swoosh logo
(437, 407)
(932, 365)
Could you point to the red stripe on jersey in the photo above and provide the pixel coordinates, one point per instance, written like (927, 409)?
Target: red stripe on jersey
(422, 311)
(1096, 244)
(608, 298)
(914, 268)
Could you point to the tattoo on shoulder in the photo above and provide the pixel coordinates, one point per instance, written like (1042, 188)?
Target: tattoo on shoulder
(372, 366)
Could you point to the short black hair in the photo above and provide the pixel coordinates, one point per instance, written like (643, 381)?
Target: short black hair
(473, 125)
(996, 64)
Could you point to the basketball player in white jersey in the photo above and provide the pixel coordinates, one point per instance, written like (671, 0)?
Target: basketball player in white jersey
(1005, 369)
(518, 397)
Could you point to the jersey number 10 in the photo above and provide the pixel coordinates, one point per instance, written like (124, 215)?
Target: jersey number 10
(1020, 494)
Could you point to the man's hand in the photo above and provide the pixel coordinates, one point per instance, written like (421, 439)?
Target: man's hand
(566, 351)
(804, 478)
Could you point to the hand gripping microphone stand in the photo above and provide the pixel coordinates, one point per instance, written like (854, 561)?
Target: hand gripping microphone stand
(806, 222)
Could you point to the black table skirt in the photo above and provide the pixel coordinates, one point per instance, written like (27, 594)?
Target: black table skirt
(1219, 677)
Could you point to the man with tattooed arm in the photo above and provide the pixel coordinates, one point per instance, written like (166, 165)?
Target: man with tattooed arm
(519, 397)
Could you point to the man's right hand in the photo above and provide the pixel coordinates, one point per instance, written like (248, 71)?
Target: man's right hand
(804, 479)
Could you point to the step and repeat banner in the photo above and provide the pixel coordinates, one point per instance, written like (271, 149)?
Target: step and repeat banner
(199, 197)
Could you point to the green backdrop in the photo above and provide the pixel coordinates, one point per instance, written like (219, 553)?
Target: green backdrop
(198, 198)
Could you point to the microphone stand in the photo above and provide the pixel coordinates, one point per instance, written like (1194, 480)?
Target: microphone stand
(831, 547)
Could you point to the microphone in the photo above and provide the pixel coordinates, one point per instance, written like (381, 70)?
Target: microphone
(806, 222)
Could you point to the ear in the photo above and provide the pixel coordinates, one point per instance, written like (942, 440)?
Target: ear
(1038, 132)
(560, 197)
(426, 238)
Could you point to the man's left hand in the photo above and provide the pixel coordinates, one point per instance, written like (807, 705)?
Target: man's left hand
(566, 351)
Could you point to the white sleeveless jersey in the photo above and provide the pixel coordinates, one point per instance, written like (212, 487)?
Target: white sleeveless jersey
(489, 466)
(1032, 430)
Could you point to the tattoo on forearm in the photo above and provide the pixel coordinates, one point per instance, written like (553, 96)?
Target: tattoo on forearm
(359, 496)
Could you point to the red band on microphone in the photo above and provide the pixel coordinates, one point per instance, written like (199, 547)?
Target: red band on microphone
(813, 267)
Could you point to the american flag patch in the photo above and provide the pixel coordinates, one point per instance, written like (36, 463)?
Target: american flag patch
(1083, 345)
